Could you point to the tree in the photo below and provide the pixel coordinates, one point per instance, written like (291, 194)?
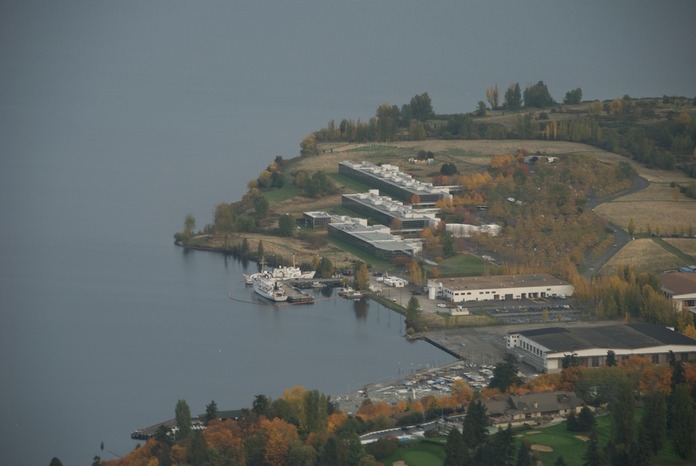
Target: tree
(654, 420)
(456, 453)
(570, 360)
(559, 461)
(447, 242)
(189, 226)
(413, 309)
(261, 406)
(586, 420)
(631, 227)
(683, 421)
(211, 411)
(593, 456)
(286, 225)
(523, 454)
(261, 206)
(308, 145)
(448, 168)
(362, 277)
(492, 95)
(259, 250)
(182, 414)
(481, 109)
(55, 462)
(538, 96)
(573, 97)
(421, 107)
(513, 97)
(475, 426)
(611, 358)
(505, 374)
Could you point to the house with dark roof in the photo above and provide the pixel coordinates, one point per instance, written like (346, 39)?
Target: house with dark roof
(531, 408)
(545, 348)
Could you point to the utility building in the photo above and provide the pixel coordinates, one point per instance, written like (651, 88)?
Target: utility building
(386, 211)
(389, 179)
(546, 348)
(500, 287)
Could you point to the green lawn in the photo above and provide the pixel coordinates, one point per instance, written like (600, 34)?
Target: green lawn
(463, 264)
(421, 453)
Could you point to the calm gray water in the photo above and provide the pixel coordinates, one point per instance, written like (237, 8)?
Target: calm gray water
(119, 118)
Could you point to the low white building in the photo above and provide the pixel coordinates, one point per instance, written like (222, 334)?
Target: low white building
(546, 348)
(465, 230)
(680, 287)
(499, 287)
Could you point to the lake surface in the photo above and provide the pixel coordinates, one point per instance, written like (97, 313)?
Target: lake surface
(105, 323)
(119, 118)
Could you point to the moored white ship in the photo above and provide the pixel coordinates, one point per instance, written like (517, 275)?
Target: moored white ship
(269, 287)
(281, 273)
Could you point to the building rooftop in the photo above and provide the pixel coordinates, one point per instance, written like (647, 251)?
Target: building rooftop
(620, 336)
(392, 174)
(679, 283)
(501, 281)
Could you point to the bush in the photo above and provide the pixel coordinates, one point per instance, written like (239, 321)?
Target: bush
(383, 447)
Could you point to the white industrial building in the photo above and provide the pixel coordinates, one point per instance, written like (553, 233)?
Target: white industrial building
(499, 287)
(545, 348)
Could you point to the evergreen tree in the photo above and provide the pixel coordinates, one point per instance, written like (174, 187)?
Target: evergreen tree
(475, 427)
(182, 414)
(560, 461)
(513, 97)
(611, 357)
(211, 411)
(456, 453)
(683, 422)
(592, 456)
(524, 457)
(586, 419)
(654, 420)
(505, 374)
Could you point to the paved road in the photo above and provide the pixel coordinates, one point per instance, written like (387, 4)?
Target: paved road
(621, 237)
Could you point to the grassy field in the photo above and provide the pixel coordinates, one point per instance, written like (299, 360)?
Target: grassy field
(464, 264)
(652, 209)
(644, 255)
(425, 453)
(685, 245)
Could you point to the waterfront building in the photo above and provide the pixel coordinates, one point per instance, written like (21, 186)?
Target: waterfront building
(545, 348)
(499, 287)
(375, 239)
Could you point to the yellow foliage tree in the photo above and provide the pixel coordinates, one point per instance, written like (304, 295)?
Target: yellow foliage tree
(279, 436)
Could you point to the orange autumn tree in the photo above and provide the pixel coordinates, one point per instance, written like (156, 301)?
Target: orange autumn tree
(279, 436)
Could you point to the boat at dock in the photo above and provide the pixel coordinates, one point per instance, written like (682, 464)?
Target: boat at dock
(269, 287)
(289, 272)
(350, 293)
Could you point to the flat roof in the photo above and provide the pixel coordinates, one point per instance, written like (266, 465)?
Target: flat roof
(502, 281)
(618, 336)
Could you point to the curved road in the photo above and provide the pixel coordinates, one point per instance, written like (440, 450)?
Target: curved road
(621, 237)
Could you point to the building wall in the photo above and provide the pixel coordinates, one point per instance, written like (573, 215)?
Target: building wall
(463, 295)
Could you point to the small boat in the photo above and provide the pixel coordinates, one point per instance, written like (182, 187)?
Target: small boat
(350, 293)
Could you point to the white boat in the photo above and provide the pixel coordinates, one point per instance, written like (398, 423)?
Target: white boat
(350, 293)
(269, 287)
(290, 272)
